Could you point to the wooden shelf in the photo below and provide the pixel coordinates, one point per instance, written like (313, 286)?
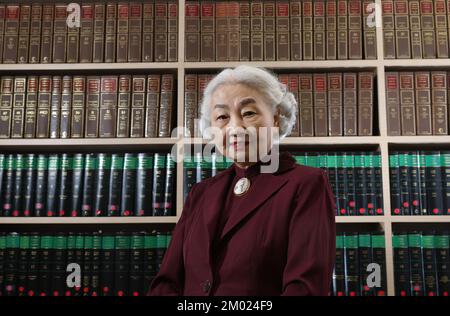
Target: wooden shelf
(87, 66)
(421, 219)
(416, 63)
(87, 220)
(76, 142)
(360, 219)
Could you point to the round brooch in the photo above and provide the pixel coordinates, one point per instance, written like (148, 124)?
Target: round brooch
(242, 186)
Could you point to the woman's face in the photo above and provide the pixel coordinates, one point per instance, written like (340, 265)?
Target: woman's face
(239, 112)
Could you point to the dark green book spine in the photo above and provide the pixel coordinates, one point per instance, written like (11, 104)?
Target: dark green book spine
(144, 185)
(32, 287)
(189, 175)
(365, 258)
(76, 199)
(415, 244)
(45, 268)
(150, 267)
(23, 263)
(405, 188)
(2, 173)
(128, 185)
(115, 185)
(339, 267)
(102, 174)
(86, 278)
(401, 265)
(137, 265)
(394, 173)
(41, 185)
(11, 263)
(445, 167)
(332, 172)
(2, 262)
(423, 182)
(58, 277)
(107, 265)
(169, 187)
(159, 174)
(54, 168)
(342, 182)
(122, 265)
(79, 259)
(96, 264)
(349, 167)
(161, 242)
(413, 165)
(370, 182)
(18, 186)
(442, 262)
(434, 183)
(429, 265)
(8, 185)
(65, 181)
(379, 257)
(70, 258)
(29, 184)
(360, 184)
(88, 184)
(379, 205)
(352, 283)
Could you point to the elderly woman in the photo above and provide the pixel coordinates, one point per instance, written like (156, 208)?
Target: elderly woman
(244, 231)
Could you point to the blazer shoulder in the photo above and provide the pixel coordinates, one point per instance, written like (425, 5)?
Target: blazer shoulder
(303, 174)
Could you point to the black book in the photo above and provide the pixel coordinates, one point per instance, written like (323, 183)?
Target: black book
(137, 265)
(360, 184)
(86, 279)
(58, 269)
(107, 259)
(41, 185)
(379, 257)
(96, 264)
(394, 174)
(445, 168)
(423, 201)
(144, 185)
(29, 184)
(122, 264)
(429, 265)
(416, 263)
(11, 263)
(159, 174)
(331, 163)
(349, 169)
(352, 283)
(150, 264)
(79, 259)
(378, 203)
(365, 258)
(23, 263)
(44, 265)
(76, 199)
(70, 257)
(65, 185)
(32, 287)
(90, 164)
(341, 179)
(115, 184)
(18, 186)
(442, 263)
(339, 267)
(414, 172)
(434, 183)
(2, 172)
(54, 167)
(405, 188)
(161, 245)
(371, 177)
(8, 185)
(102, 175)
(169, 207)
(2, 262)
(128, 185)
(401, 264)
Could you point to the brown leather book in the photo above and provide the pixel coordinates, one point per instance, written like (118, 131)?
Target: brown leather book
(147, 32)
(190, 104)
(350, 92)
(402, 33)
(257, 31)
(60, 34)
(233, 30)
(203, 80)
(18, 110)
(138, 106)
(78, 107)
(269, 31)
(222, 40)
(161, 29)
(24, 34)
(111, 28)
(87, 32)
(31, 107)
(365, 103)
(47, 33)
(135, 32)
(369, 30)
(11, 34)
(2, 29)
(308, 27)
(355, 29)
(98, 49)
(439, 102)
(192, 31)
(335, 109)
(440, 12)
(92, 106)
(342, 40)
(124, 106)
(73, 40)
(319, 30)
(393, 104)
(416, 29)
(166, 106)
(306, 110)
(282, 28)
(387, 7)
(244, 30)
(35, 34)
(428, 29)
(66, 107)
(331, 27)
(152, 106)
(43, 110)
(172, 21)
(423, 103)
(293, 87)
(55, 106)
(207, 49)
(407, 103)
(7, 86)
(123, 14)
(320, 105)
(296, 30)
(108, 106)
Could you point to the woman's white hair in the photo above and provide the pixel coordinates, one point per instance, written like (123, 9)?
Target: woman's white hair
(260, 79)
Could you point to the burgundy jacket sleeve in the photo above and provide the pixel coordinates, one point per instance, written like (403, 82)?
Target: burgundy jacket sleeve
(312, 235)
(170, 278)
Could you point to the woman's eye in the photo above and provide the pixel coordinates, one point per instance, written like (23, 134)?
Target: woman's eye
(221, 117)
(248, 114)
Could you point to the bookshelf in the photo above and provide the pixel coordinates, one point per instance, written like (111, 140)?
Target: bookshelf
(383, 142)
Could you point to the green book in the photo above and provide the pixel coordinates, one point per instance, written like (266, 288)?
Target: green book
(115, 185)
(137, 264)
(89, 185)
(54, 168)
(122, 264)
(29, 184)
(59, 264)
(76, 199)
(169, 208)
(107, 255)
(8, 186)
(159, 174)
(19, 178)
(23, 264)
(65, 182)
(41, 185)
(102, 175)
(11, 263)
(144, 179)
(129, 185)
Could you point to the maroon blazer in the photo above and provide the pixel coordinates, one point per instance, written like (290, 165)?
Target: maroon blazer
(280, 242)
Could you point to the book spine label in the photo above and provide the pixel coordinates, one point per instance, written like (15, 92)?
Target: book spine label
(18, 113)
(138, 107)
(123, 110)
(78, 107)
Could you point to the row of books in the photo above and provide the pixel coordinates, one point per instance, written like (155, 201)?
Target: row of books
(416, 29)
(421, 263)
(101, 32)
(420, 182)
(86, 106)
(129, 184)
(355, 177)
(98, 264)
(330, 104)
(417, 103)
(352, 273)
(279, 30)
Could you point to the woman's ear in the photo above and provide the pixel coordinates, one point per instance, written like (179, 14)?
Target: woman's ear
(276, 118)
